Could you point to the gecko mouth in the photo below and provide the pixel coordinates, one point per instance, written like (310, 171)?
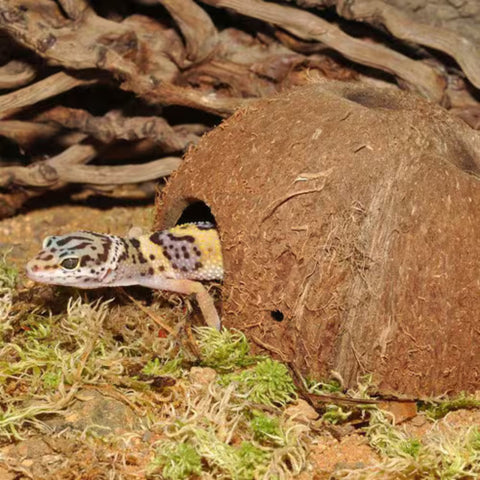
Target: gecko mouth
(34, 274)
(49, 277)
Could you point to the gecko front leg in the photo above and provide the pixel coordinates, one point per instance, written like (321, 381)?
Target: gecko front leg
(189, 287)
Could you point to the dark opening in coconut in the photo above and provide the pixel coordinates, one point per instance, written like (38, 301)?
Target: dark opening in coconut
(196, 211)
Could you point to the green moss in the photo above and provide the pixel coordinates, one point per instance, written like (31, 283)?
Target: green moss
(411, 447)
(267, 383)
(204, 451)
(50, 351)
(236, 441)
(38, 326)
(177, 461)
(224, 350)
(265, 428)
(445, 453)
(51, 380)
(8, 273)
(8, 280)
(243, 462)
(157, 367)
(387, 439)
(474, 439)
(436, 410)
(335, 414)
(252, 461)
(323, 387)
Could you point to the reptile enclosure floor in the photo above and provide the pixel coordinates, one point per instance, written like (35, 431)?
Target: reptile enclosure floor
(349, 225)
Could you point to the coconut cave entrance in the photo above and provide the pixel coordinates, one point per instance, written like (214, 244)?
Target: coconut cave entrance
(347, 216)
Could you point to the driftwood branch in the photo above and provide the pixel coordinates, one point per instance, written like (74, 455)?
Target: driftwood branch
(27, 133)
(16, 74)
(403, 27)
(73, 8)
(45, 174)
(198, 30)
(13, 102)
(99, 175)
(69, 167)
(115, 126)
(154, 82)
(119, 48)
(418, 76)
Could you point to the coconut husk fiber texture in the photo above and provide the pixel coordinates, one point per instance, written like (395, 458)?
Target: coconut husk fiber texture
(349, 225)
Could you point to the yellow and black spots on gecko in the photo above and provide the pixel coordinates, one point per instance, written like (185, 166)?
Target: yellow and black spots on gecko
(189, 251)
(89, 259)
(173, 260)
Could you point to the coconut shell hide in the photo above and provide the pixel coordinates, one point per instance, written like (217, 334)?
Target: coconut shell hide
(349, 224)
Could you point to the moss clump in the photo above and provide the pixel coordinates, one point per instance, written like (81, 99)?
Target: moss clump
(157, 368)
(224, 350)
(8, 273)
(51, 380)
(411, 447)
(445, 453)
(436, 410)
(234, 440)
(388, 440)
(252, 460)
(52, 352)
(323, 387)
(335, 414)
(177, 461)
(268, 383)
(8, 280)
(266, 428)
(244, 462)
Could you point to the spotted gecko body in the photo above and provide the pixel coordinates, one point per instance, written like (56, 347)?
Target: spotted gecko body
(176, 260)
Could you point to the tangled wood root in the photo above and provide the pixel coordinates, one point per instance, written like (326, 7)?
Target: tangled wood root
(210, 60)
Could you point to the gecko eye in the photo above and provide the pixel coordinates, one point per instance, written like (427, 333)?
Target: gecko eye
(70, 263)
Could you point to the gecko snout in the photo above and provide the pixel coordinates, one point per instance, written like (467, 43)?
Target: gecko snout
(32, 270)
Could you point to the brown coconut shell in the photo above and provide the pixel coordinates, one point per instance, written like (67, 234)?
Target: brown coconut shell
(349, 221)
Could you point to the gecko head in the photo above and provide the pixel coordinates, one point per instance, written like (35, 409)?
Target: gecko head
(78, 259)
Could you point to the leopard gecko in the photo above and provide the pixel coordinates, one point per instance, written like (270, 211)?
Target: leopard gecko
(176, 260)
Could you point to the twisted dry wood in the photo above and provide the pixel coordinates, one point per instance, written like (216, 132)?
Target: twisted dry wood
(27, 133)
(100, 175)
(193, 65)
(15, 74)
(73, 8)
(45, 174)
(60, 82)
(402, 26)
(147, 64)
(115, 126)
(198, 30)
(405, 27)
(418, 76)
(69, 167)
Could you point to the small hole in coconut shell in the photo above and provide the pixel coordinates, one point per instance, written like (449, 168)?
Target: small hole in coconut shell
(277, 315)
(197, 211)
